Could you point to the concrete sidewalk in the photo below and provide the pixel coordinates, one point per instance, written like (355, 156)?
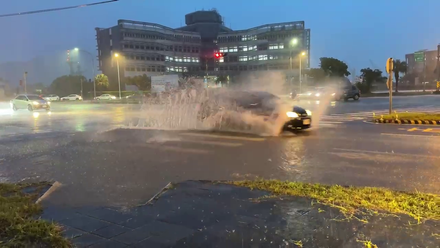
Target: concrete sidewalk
(203, 214)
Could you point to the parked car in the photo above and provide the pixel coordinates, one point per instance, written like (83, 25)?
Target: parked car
(71, 97)
(29, 102)
(349, 92)
(51, 97)
(105, 97)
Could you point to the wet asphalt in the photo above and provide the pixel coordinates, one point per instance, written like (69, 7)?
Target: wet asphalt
(77, 144)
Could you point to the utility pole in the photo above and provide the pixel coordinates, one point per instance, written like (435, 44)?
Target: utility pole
(389, 69)
(300, 73)
(82, 88)
(24, 78)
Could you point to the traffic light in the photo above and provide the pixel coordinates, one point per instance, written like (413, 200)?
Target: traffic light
(218, 55)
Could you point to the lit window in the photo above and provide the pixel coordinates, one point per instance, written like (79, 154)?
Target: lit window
(281, 46)
(243, 48)
(243, 58)
(178, 59)
(233, 49)
(223, 49)
(262, 57)
(167, 58)
(186, 59)
(185, 69)
(273, 57)
(252, 48)
(273, 46)
(195, 60)
(221, 60)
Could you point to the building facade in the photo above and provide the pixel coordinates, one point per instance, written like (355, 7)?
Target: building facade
(153, 49)
(423, 64)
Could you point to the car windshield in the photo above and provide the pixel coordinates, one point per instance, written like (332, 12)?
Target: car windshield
(31, 97)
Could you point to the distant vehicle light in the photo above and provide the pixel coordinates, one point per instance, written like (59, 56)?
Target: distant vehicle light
(292, 114)
(317, 94)
(309, 113)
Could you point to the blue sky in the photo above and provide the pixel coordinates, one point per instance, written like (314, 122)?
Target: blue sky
(355, 31)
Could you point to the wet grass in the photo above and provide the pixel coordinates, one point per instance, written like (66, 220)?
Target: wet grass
(352, 200)
(18, 224)
(409, 116)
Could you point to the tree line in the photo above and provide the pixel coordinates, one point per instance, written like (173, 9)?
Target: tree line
(331, 68)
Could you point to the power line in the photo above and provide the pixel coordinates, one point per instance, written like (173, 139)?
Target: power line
(57, 9)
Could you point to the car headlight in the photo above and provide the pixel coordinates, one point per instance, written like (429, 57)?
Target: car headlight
(309, 113)
(35, 103)
(317, 94)
(292, 114)
(48, 103)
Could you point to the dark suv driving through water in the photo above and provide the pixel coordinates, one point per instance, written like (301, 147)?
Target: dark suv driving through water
(258, 103)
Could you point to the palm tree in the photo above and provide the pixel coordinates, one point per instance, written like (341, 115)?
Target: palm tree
(399, 67)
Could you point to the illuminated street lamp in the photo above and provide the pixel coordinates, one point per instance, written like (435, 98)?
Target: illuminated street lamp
(300, 70)
(119, 79)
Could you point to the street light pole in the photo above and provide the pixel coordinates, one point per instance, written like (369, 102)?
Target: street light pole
(24, 77)
(119, 78)
(93, 67)
(300, 74)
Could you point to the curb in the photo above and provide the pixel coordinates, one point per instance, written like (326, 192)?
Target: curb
(413, 122)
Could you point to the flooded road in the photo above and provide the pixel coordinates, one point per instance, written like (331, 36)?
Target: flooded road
(125, 167)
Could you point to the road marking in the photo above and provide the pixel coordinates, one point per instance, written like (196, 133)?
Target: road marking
(330, 122)
(410, 135)
(217, 143)
(178, 149)
(412, 129)
(223, 136)
(427, 130)
(387, 153)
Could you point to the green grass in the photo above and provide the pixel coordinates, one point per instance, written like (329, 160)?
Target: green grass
(410, 116)
(18, 224)
(352, 200)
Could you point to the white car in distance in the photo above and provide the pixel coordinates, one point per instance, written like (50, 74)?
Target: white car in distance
(51, 98)
(71, 97)
(105, 97)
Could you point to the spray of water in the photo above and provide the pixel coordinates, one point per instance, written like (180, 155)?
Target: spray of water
(181, 110)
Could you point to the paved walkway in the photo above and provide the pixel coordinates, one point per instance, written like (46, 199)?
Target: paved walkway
(202, 214)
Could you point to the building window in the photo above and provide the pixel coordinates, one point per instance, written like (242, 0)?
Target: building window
(273, 46)
(244, 48)
(252, 48)
(243, 58)
(223, 49)
(178, 59)
(281, 46)
(273, 57)
(233, 49)
(186, 59)
(221, 60)
(262, 57)
(195, 60)
(255, 57)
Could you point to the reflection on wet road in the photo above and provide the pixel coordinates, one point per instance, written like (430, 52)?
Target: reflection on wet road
(124, 167)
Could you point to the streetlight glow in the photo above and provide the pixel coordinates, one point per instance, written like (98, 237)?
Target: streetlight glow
(303, 53)
(116, 55)
(76, 49)
(294, 41)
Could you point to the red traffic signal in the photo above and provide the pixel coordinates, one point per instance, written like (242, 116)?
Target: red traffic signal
(219, 55)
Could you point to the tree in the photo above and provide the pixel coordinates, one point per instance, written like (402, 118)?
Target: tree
(143, 82)
(369, 76)
(316, 75)
(334, 67)
(71, 84)
(399, 67)
(101, 81)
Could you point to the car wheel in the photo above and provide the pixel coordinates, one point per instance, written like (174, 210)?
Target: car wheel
(14, 107)
(30, 108)
(356, 97)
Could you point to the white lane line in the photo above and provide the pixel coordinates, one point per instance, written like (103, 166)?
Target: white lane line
(178, 149)
(411, 135)
(223, 136)
(386, 153)
(216, 143)
(330, 122)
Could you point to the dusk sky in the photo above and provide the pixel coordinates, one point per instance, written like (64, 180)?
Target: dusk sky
(355, 31)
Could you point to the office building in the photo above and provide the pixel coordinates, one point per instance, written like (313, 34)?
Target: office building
(153, 49)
